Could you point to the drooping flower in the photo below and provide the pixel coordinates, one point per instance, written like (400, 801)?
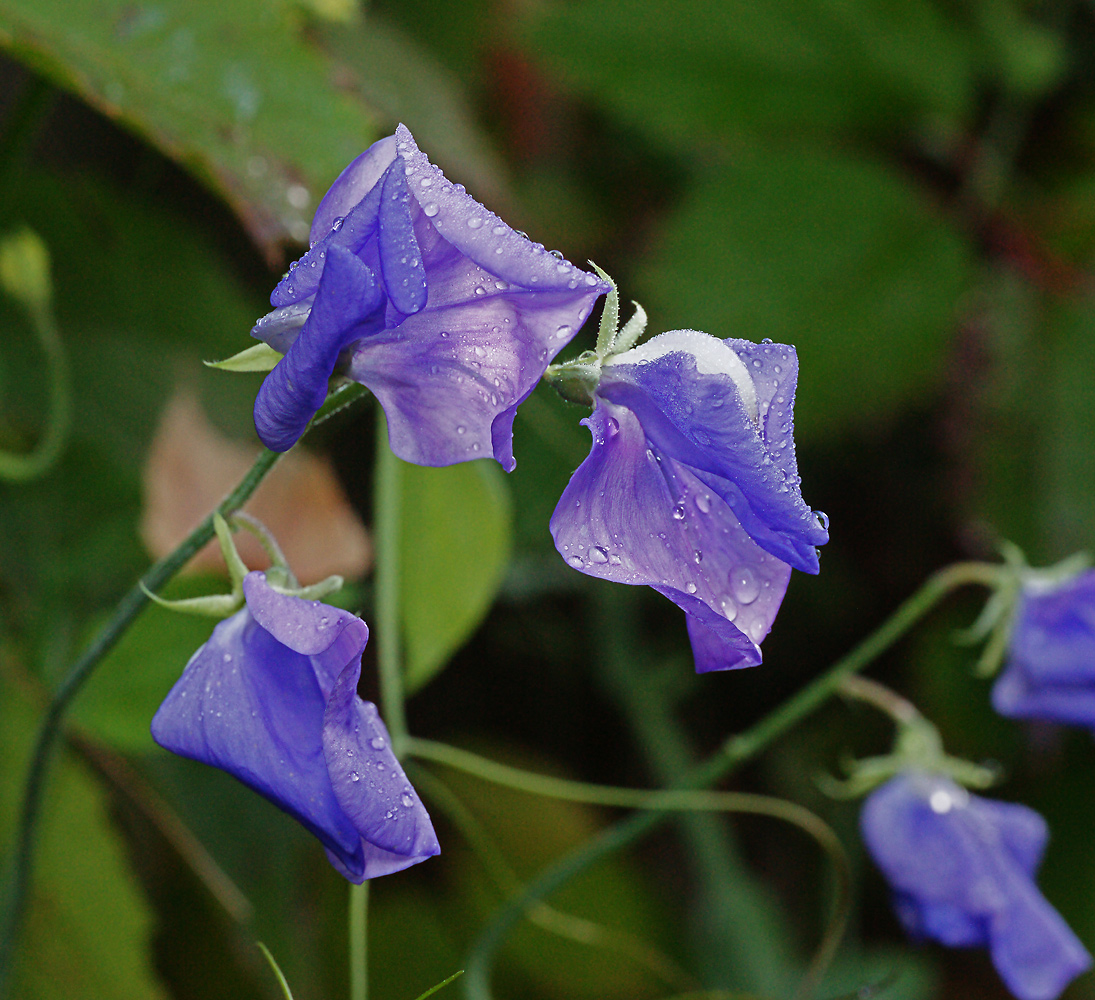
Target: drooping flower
(962, 870)
(1050, 670)
(415, 290)
(272, 699)
(692, 487)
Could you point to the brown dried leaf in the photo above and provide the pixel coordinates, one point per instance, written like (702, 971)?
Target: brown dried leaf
(191, 466)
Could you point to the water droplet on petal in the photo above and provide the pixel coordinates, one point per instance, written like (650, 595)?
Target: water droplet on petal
(461, 429)
(377, 743)
(431, 209)
(691, 588)
(563, 332)
(598, 555)
(823, 518)
(474, 222)
(406, 799)
(337, 224)
(678, 512)
(354, 776)
(703, 503)
(743, 582)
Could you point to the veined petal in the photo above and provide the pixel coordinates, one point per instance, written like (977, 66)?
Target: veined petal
(297, 387)
(254, 708)
(634, 515)
(371, 786)
(482, 236)
(450, 378)
(709, 419)
(281, 326)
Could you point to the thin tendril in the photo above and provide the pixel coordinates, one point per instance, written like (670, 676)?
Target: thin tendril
(734, 752)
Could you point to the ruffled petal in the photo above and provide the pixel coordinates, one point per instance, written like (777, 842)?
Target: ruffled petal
(253, 707)
(1053, 640)
(1014, 695)
(712, 420)
(480, 235)
(451, 378)
(370, 785)
(297, 387)
(633, 515)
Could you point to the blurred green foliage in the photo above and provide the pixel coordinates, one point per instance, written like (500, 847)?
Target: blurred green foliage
(901, 188)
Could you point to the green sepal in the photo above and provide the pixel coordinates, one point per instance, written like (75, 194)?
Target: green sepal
(211, 606)
(259, 358)
(576, 380)
(632, 330)
(610, 316)
(237, 568)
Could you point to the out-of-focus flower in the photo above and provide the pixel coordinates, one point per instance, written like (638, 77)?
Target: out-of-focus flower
(692, 487)
(272, 699)
(1050, 671)
(191, 466)
(415, 290)
(962, 870)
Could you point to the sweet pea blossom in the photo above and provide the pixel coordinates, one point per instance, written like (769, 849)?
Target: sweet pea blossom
(272, 699)
(1050, 671)
(692, 487)
(962, 870)
(415, 290)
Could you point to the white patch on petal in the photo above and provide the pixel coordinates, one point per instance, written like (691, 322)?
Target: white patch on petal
(712, 356)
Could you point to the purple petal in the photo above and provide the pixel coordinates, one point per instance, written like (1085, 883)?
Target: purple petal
(482, 236)
(297, 387)
(1053, 639)
(351, 233)
(632, 515)
(1033, 949)
(1015, 696)
(252, 707)
(370, 785)
(698, 402)
(450, 377)
(400, 259)
(280, 327)
(356, 181)
(942, 922)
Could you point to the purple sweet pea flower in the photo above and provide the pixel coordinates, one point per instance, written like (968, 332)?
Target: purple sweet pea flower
(962, 870)
(1050, 671)
(692, 487)
(418, 292)
(272, 699)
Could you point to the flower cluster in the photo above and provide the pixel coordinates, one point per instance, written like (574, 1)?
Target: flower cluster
(962, 870)
(692, 487)
(415, 290)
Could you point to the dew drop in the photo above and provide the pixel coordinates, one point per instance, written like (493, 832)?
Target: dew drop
(557, 254)
(823, 518)
(377, 743)
(703, 503)
(406, 799)
(598, 555)
(498, 230)
(743, 582)
(474, 222)
(480, 351)
(767, 340)
(354, 776)
(461, 429)
(678, 512)
(426, 182)
(691, 588)
(563, 332)
(338, 223)
(431, 209)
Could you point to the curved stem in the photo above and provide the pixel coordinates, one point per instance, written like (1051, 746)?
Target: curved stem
(127, 610)
(735, 751)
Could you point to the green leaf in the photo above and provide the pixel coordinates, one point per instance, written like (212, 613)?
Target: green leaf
(121, 697)
(88, 928)
(716, 66)
(835, 255)
(231, 90)
(456, 540)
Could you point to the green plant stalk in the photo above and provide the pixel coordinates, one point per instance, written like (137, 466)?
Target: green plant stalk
(387, 515)
(734, 752)
(359, 941)
(124, 615)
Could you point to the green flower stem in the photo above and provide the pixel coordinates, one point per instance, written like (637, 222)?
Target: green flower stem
(124, 615)
(734, 752)
(387, 516)
(359, 941)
